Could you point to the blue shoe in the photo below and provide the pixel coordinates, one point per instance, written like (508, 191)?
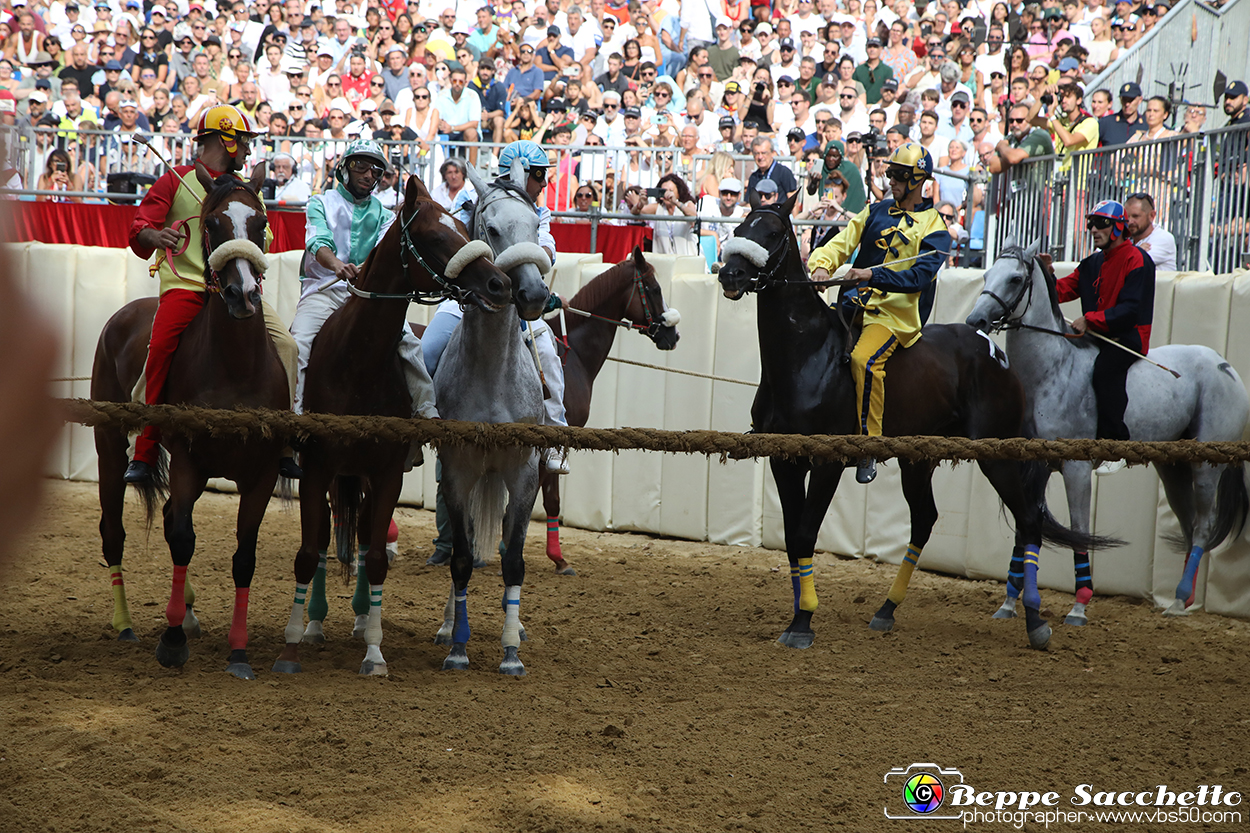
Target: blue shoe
(138, 473)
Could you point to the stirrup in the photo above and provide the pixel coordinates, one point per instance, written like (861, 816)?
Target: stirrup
(288, 468)
(138, 472)
(1109, 467)
(866, 470)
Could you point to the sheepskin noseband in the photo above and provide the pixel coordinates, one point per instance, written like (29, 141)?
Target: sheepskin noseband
(524, 252)
(754, 253)
(670, 318)
(470, 252)
(243, 248)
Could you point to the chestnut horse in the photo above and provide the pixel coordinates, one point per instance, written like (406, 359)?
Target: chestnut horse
(627, 295)
(225, 359)
(354, 369)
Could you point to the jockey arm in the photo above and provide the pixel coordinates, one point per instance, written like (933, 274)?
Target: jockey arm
(147, 230)
(838, 250)
(320, 242)
(545, 240)
(921, 271)
(1125, 313)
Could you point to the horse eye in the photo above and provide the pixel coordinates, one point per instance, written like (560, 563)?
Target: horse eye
(492, 231)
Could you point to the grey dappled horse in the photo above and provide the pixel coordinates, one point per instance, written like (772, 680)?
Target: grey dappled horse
(487, 374)
(1208, 402)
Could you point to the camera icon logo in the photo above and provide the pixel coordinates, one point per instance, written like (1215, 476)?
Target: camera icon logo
(922, 788)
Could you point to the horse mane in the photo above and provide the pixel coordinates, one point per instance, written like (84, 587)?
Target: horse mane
(603, 286)
(503, 184)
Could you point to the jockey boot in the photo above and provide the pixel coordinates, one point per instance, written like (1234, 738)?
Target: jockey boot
(866, 470)
(1109, 467)
(556, 460)
(287, 468)
(138, 472)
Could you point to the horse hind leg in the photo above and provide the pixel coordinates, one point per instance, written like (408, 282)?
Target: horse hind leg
(111, 453)
(1015, 583)
(375, 565)
(516, 522)
(1076, 487)
(252, 504)
(1016, 487)
(803, 513)
(918, 490)
(551, 504)
(185, 488)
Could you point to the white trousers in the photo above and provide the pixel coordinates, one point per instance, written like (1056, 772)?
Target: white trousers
(313, 310)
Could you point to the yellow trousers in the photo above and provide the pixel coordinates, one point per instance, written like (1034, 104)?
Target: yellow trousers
(876, 344)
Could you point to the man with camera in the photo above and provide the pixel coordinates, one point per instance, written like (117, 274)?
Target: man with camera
(1071, 127)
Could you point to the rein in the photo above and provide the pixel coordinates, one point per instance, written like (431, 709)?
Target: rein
(408, 248)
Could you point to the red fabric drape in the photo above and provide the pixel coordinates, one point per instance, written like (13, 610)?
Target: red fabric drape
(109, 225)
(615, 243)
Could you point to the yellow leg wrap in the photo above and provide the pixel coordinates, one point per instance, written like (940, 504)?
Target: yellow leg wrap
(121, 610)
(807, 586)
(898, 590)
(876, 344)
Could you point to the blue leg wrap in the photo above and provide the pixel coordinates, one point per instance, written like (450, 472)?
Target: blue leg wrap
(794, 582)
(461, 631)
(1015, 573)
(1032, 598)
(1185, 590)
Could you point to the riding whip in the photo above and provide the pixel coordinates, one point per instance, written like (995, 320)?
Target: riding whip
(1115, 343)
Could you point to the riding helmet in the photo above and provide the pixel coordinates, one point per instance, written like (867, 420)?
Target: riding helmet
(529, 154)
(360, 148)
(913, 158)
(228, 122)
(1111, 210)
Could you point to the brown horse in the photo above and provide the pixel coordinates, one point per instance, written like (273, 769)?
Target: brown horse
(627, 295)
(225, 358)
(354, 369)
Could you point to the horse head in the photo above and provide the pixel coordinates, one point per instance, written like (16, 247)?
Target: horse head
(506, 218)
(1008, 283)
(234, 222)
(752, 257)
(466, 264)
(647, 310)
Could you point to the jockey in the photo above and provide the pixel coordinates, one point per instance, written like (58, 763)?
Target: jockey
(169, 210)
(343, 227)
(895, 302)
(1116, 286)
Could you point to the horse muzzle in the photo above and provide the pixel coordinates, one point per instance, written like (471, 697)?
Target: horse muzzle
(239, 304)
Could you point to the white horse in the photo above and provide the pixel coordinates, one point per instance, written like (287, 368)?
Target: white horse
(488, 374)
(1206, 401)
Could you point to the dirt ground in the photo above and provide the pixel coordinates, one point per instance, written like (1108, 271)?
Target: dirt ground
(656, 697)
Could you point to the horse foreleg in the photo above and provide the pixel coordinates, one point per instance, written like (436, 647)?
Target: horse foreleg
(918, 491)
(252, 503)
(318, 607)
(461, 571)
(1076, 486)
(803, 510)
(551, 504)
(521, 488)
(383, 497)
(310, 563)
(185, 488)
(1194, 504)
(111, 453)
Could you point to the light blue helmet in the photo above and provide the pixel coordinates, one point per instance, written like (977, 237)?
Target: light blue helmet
(528, 153)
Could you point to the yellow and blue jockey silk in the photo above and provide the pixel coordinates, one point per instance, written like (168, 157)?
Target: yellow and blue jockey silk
(898, 299)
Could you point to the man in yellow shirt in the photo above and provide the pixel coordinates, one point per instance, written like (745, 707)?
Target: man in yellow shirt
(1071, 127)
(895, 301)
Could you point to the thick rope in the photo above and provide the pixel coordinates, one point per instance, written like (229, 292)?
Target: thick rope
(244, 422)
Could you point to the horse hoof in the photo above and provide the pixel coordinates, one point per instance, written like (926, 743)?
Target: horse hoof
(1039, 637)
(369, 668)
(566, 570)
(458, 659)
(442, 638)
(1076, 620)
(792, 639)
(880, 624)
(285, 666)
(191, 625)
(1005, 612)
(241, 670)
(511, 664)
(358, 630)
(313, 637)
(438, 559)
(1177, 608)
(127, 635)
(480, 565)
(172, 656)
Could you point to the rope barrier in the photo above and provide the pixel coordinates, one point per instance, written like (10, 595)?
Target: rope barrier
(683, 372)
(244, 422)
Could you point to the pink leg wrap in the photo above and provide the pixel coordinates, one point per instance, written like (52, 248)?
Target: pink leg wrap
(176, 610)
(1084, 594)
(238, 622)
(553, 539)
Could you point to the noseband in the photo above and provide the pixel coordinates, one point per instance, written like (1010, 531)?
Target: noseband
(238, 247)
(1006, 322)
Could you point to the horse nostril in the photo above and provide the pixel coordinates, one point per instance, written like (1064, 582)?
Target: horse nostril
(495, 285)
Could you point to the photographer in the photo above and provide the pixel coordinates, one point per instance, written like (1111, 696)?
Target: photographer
(59, 175)
(672, 197)
(1071, 127)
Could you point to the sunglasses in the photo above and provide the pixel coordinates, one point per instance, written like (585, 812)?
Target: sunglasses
(361, 166)
(421, 97)
(607, 106)
(785, 83)
(663, 95)
(948, 217)
(846, 96)
(583, 196)
(707, 75)
(1098, 223)
(898, 175)
(377, 83)
(976, 120)
(333, 84)
(962, 104)
(235, 55)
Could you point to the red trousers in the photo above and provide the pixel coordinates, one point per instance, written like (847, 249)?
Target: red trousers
(176, 310)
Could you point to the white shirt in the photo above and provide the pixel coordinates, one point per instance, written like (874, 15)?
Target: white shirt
(1161, 246)
(295, 190)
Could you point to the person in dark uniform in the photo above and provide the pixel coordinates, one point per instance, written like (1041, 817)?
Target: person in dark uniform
(1118, 128)
(1116, 286)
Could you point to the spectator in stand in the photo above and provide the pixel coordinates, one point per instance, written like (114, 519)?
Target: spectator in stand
(1236, 95)
(1071, 127)
(290, 188)
(1158, 110)
(1156, 241)
(525, 79)
(1023, 142)
(1100, 103)
(872, 73)
(767, 167)
(723, 56)
(669, 236)
(1119, 128)
(1195, 119)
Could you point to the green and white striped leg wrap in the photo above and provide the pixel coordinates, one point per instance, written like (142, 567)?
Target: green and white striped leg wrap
(295, 627)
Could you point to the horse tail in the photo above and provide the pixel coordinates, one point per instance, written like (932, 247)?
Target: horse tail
(346, 516)
(154, 491)
(1232, 503)
(486, 509)
(1035, 474)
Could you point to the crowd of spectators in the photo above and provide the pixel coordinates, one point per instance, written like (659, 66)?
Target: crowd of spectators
(684, 85)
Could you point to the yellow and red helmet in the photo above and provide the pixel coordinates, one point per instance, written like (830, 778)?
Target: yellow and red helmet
(228, 122)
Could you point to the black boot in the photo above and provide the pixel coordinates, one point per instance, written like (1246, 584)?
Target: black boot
(866, 470)
(289, 469)
(138, 472)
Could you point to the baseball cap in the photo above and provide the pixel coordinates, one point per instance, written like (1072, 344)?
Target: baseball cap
(325, 50)
(157, 9)
(632, 113)
(553, 30)
(960, 95)
(212, 40)
(38, 96)
(722, 20)
(1130, 90)
(559, 105)
(831, 79)
(785, 79)
(128, 103)
(1068, 64)
(113, 66)
(387, 106)
(890, 83)
(766, 186)
(786, 43)
(873, 42)
(729, 183)
(726, 121)
(1236, 88)
(732, 87)
(797, 134)
(766, 28)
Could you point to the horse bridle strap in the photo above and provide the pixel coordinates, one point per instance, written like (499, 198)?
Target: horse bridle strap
(406, 249)
(238, 248)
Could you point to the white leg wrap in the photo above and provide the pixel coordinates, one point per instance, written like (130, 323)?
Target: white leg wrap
(373, 628)
(295, 627)
(512, 617)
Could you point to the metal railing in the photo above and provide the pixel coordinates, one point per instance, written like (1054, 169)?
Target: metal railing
(1199, 182)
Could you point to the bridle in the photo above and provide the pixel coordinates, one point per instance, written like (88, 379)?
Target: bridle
(767, 277)
(1007, 321)
(212, 277)
(408, 249)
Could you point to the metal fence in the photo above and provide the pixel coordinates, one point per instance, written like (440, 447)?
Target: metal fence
(1198, 183)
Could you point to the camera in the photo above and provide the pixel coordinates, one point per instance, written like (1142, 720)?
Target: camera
(759, 86)
(876, 143)
(926, 28)
(655, 193)
(1047, 99)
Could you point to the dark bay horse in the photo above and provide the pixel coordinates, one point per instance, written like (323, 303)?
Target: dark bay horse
(952, 382)
(225, 358)
(354, 369)
(627, 294)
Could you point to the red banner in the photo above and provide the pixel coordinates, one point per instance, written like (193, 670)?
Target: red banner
(615, 243)
(83, 224)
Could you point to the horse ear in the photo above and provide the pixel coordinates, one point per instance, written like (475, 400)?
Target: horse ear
(257, 180)
(788, 208)
(1031, 251)
(753, 199)
(414, 191)
(1009, 242)
(517, 174)
(475, 178)
(640, 262)
(202, 174)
